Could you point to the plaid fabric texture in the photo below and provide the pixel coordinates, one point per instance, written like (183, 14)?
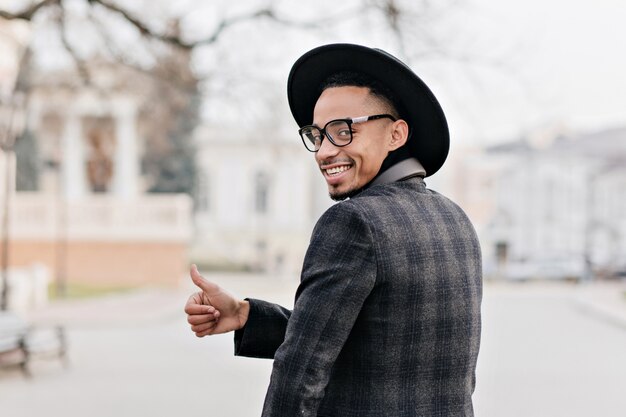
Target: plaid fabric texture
(386, 320)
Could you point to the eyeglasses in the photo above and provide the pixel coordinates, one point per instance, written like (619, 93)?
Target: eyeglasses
(338, 131)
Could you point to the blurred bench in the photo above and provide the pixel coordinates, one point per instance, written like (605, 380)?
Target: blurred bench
(20, 343)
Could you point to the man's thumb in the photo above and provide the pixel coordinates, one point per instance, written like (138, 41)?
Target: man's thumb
(201, 282)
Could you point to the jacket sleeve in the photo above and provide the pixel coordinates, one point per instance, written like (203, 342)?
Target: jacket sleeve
(338, 274)
(264, 331)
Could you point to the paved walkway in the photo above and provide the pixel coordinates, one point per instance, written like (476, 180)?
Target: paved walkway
(606, 300)
(133, 354)
(147, 305)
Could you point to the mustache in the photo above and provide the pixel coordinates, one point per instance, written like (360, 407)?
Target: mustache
(332, 161)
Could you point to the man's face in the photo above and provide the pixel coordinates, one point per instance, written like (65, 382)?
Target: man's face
(349, 168)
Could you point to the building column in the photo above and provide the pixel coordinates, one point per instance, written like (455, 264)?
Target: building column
(126, 163)
(73, 167)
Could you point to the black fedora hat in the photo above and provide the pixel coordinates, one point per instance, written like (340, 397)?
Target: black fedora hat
(429, 139)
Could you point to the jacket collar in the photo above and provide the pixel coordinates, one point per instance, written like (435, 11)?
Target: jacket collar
(403, 170)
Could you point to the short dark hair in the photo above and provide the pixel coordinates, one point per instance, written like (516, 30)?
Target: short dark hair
(358, 79)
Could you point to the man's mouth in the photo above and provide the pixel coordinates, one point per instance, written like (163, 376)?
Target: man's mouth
(337, 170)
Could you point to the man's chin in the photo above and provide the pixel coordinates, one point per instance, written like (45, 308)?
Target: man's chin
(337, 195)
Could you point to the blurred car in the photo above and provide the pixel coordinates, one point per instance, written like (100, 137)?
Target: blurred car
(559, 268)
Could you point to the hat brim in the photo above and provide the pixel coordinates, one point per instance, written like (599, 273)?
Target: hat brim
(429, 138)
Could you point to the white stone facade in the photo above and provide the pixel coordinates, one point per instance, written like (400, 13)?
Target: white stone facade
(90, 219)
(259, 199)
(552, 211)
(69, 142)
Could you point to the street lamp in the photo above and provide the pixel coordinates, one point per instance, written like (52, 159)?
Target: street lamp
(12, 122)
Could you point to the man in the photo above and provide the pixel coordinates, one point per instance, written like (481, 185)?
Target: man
(386, 320)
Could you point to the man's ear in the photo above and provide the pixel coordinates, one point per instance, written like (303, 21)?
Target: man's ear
(399, 134)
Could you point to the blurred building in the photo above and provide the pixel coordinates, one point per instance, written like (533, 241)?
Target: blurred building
(79, 204)
(550, 206)
(259, 196)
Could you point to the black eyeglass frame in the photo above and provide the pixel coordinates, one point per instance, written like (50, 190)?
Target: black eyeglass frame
(349, 121)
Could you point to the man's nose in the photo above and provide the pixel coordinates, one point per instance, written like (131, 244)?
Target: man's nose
(327, 149)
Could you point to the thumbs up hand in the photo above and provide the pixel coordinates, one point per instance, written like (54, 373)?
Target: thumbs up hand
(213, 310)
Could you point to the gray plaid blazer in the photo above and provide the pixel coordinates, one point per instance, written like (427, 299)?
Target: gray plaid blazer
(386, 319)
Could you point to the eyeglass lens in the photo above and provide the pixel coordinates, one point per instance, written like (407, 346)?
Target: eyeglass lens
(337, 131)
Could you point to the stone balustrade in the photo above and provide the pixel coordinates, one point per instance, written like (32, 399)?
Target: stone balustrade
(101, 218)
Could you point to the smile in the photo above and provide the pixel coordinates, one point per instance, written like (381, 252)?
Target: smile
(337, 170)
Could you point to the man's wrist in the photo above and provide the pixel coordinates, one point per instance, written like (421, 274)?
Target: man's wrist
(244, 311)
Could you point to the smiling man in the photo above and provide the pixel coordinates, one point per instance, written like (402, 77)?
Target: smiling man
(386, 320)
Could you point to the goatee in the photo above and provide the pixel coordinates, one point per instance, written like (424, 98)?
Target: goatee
(344, 195)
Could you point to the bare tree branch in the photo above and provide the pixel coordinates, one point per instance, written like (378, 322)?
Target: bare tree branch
(81, 66)
(176, 40)
(29, 12)
(224, 24)
(267, 13)
(142, 27)
(270, 14)
(392, 14)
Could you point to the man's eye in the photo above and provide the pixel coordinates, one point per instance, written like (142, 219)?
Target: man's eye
(313, 135)
(343, 133)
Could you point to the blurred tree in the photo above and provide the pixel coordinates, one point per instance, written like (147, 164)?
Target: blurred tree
(172, 110)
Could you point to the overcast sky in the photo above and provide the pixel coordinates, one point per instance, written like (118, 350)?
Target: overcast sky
(570, 68)
(533, 64)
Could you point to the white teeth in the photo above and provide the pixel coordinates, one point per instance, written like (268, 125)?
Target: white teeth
(337, 170)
